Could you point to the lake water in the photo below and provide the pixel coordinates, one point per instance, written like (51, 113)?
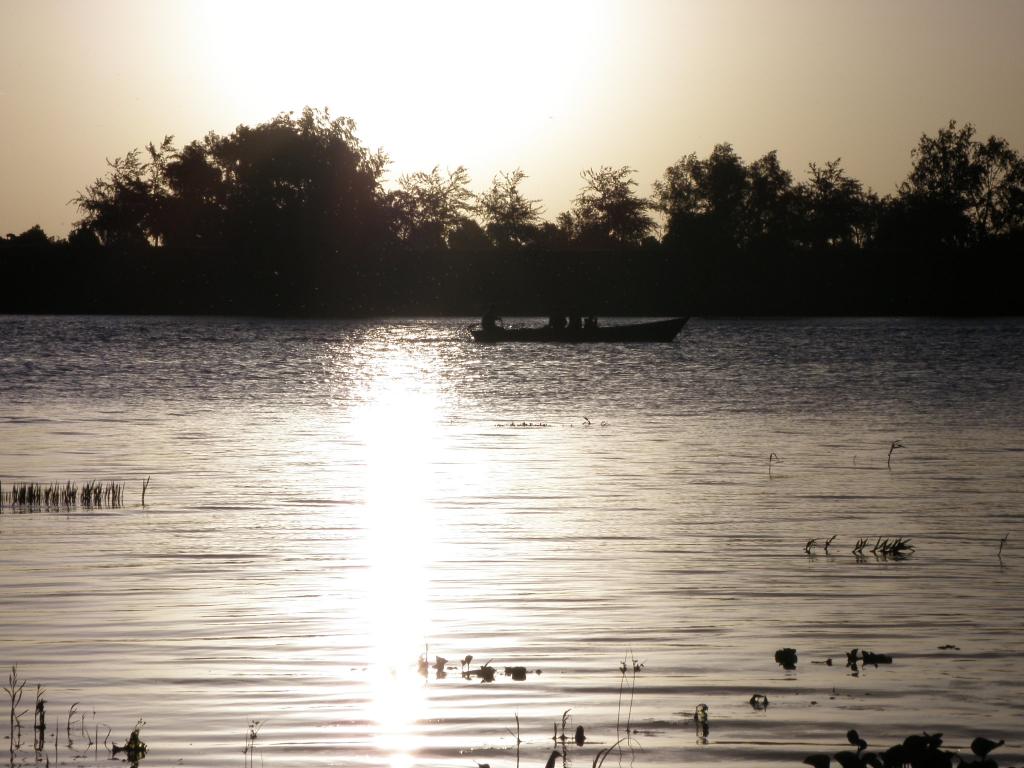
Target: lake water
(328, 499)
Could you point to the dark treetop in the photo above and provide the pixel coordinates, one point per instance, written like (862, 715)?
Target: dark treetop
(291, 217)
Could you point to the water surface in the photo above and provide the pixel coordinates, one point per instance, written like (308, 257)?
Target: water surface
(328, 498)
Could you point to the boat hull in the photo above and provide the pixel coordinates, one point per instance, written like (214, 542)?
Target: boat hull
(660, 330)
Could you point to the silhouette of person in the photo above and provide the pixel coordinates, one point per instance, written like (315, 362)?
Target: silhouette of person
(490, 319)
(575, 322)
(557, 322)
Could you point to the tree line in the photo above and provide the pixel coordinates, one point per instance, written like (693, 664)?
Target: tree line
(293, 217)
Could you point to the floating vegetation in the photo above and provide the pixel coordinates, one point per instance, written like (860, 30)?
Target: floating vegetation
(862, 658)
(888, 548)
(810, 545)
(759, 702)
(899, 547)
(786, 657)
(516, 673)
(134, 748)
(485, 673)
(30, 497)
(701, 724)
(541, 424)
(865, 658)
(772, 457)
(922, 750)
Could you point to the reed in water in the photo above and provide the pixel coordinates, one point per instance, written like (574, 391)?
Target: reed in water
(27, 497)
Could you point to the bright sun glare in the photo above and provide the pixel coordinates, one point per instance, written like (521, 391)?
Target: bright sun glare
(397, 427)
(422, 76)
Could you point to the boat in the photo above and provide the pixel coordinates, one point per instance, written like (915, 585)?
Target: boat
(658, 330)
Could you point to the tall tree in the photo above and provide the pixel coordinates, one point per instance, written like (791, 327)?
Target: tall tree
(964, 188)
(705, 200)
(771, 203)
(119, 207)
(608, 212)
(195, 206)
(510, 217)
(429, 207)
(836, 209)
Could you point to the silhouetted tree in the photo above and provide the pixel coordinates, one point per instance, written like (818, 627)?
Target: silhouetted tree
(705, 200)
(430, 206)
(290, 216)
(960, 189)
(303, 181)
(607, 212)
(195, 207)
(834, 208)
(119, 207)
(771, 216)
(510, 217)
(468, 235)
(33, 237)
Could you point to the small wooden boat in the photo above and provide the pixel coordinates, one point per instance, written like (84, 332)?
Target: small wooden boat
(659, 330)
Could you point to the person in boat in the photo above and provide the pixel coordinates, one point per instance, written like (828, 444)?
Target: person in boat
(490, 319)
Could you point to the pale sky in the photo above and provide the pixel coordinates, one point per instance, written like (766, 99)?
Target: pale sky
(550, 86)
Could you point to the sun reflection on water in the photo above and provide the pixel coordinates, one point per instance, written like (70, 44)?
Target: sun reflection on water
(397, 425)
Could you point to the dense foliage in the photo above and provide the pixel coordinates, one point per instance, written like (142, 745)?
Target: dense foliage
(292, 216)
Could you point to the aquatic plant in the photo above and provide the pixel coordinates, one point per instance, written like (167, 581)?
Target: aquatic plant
(982, 746)
(28, 497)
(898, 547)
(516, 673)
(701, 724)
(134, 748)
(14, 689)
(485, 672)
(772, 457)
(922, 750)
(556, 737)
(1002, 543)
(896, 445)
(145, 487)
(599, 758)
(637, 666)
(786, 657)
(251, 734)
(518, 738)
(39, 719)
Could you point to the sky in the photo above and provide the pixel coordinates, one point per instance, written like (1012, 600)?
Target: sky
(550, 86)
